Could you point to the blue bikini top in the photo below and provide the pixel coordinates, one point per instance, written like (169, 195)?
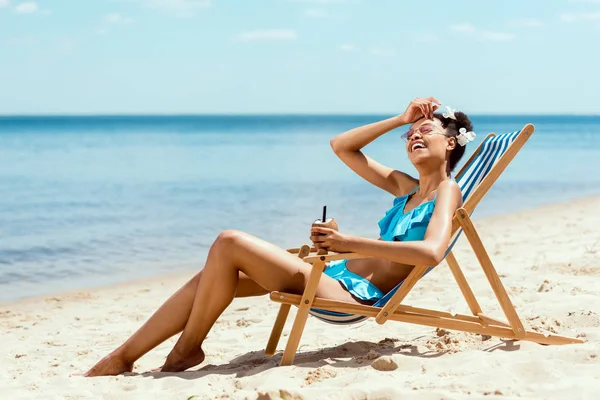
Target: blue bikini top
(397, 225)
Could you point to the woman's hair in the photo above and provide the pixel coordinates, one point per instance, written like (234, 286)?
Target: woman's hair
(452, 126)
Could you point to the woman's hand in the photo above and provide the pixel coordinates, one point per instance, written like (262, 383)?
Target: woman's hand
(331, 240)
(419, 108)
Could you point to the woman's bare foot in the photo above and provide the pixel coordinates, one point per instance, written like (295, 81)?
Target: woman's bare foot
(176, 363)
(110, 365)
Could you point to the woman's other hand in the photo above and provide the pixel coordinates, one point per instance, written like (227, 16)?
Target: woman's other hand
(331, 240)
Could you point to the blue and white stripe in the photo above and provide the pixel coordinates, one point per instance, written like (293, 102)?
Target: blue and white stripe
(491, 150)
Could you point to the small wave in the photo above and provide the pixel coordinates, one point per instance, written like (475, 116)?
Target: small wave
(34, 253)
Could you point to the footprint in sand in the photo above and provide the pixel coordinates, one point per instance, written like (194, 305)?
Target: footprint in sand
(388, 342)
(545, 286)
(49, 299)
(444, 342)
(54, 344)
(277, 395)
(371, 355)
(319, 374)
(242, 322)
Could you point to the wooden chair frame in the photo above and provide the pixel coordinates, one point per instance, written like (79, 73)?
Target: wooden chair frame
(393, 310)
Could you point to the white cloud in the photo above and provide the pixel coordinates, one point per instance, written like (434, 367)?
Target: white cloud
(347, 47)
(485, 36)
(489, 36)
(116, 18)
(383, 52)
(27, 8)
(527, 23)
(179, 8)
(323, 1)
(101, 31)
(267, 34)
(315, 13)
(568, 17)
(580, 17)
(4, 3)
(465, 28)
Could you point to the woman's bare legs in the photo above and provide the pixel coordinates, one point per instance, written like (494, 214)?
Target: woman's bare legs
(266, 264)
(174, 314)
(167, 321)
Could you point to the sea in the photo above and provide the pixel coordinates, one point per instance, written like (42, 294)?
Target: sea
(87, 201)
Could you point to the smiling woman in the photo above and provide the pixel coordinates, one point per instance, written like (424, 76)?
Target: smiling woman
(415, 231)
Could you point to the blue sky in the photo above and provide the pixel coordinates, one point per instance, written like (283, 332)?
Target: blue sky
(298, 56)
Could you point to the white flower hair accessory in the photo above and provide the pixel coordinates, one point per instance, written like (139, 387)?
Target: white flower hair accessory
(449, 113)
(465, 137)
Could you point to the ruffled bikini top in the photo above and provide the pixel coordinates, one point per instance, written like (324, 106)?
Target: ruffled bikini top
(397, 225)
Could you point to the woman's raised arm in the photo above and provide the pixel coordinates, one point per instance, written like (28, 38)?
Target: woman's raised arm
(348, 146)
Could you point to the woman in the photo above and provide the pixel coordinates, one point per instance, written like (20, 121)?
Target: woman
(415, 231)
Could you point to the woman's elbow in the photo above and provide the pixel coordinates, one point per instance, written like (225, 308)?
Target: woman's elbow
(341, 146)
(334, 143)
(438, 257)
(435, 254)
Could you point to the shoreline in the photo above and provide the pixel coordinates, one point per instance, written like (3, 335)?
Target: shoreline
(188, 271)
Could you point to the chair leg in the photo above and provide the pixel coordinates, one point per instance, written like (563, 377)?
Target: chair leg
(284, 310)
(294, 340)
(463, 284)
(491, 274)
(302, 315)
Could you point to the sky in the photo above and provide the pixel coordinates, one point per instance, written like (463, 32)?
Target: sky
(298, 56)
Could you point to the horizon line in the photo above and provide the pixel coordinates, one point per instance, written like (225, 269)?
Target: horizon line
(341, 114)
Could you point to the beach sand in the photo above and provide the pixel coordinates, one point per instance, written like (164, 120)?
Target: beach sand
(548, 259)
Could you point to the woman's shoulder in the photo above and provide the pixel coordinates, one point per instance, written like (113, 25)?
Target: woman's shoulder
(449, 185)
(449, 189)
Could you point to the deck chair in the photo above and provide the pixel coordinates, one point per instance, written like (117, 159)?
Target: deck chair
(475, 179)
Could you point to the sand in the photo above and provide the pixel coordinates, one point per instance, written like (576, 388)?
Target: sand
(548, 259)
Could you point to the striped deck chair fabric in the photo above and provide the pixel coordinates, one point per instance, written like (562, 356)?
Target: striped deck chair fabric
(492, 149)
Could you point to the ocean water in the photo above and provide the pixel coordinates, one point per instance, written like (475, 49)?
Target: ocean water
(87, 201)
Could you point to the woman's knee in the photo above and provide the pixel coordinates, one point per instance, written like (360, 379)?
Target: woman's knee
(227, 241)
(229, 237)
(195, 280)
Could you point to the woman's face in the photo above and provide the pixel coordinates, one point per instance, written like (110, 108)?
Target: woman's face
(426, 141)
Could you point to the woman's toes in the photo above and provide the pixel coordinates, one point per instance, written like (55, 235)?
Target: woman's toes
(110, 365)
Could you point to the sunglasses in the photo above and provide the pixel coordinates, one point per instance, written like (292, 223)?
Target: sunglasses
(425, 129)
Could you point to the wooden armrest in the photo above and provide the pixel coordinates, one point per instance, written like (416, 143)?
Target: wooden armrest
(331, 256)
(296, 250)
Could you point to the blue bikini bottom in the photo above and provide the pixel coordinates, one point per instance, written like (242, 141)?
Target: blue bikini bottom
(360, 287)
